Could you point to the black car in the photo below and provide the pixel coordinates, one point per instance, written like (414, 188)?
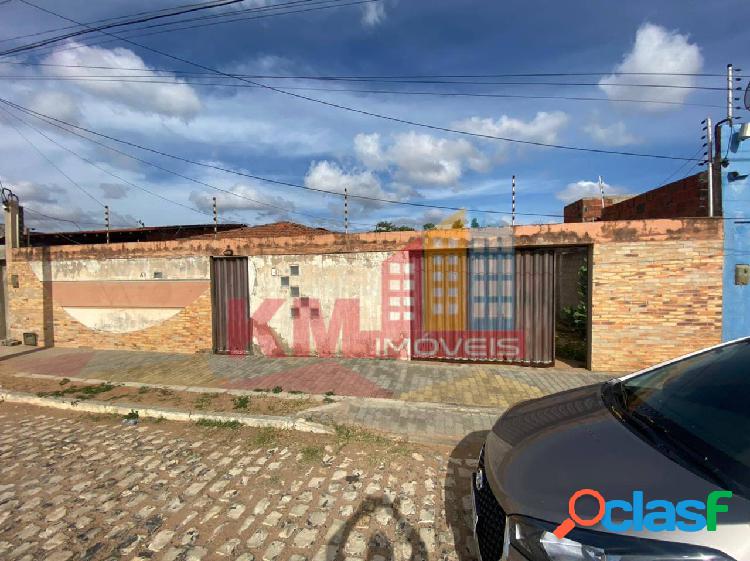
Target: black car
(673, 432)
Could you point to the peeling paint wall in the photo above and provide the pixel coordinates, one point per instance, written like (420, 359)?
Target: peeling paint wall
(322, 287)
(135, 303)
(656, 291)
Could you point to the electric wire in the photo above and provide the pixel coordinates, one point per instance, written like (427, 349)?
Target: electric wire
(376, 76)
(59, 123)
(677, 171)
(89, 29)
(371, 113)
(104, 170)
(47, 48)
(362, 91)
(284, 209)
(51, 163)
(67, 27)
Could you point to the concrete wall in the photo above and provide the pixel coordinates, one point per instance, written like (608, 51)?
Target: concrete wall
(736, 201)
(656, 291)
(337, 310)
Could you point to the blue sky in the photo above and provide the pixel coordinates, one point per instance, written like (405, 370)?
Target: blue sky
(270, 134)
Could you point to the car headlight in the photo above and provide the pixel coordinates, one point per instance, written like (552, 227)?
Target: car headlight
(535, 540)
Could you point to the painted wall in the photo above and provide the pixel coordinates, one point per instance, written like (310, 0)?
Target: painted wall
(735, 183)
(325, 305)
(656, 291)
(134, 303)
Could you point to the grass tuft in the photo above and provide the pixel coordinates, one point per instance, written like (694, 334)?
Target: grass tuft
(312, 454)
(80, 392)
(266, 436)
(218, 424)
(241, 402)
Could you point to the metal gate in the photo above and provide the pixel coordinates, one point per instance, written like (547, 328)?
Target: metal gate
(535, 305)
(485, 304)
(230, 300)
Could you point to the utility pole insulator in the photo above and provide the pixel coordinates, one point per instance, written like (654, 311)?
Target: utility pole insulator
(216, 218)
(346, 210)
(730, 93)
(710, 164)
(106, 220)
(513, 202)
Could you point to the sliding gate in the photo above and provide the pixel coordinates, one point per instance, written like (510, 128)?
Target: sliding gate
(485, 304)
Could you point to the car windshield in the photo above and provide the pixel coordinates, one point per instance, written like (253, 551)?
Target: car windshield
(700, 408)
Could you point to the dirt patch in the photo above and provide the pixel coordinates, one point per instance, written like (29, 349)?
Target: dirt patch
(157, 397)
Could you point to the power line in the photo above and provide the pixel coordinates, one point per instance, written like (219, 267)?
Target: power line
(371, 113)
(50, 162)
(65, 28)
(377, 76)
(133, 77)
(76, 223)
(97, 166)
(356, 90)
(679, 169)
(88, 29)
(186, 177)
(134, 32)
(53, 121)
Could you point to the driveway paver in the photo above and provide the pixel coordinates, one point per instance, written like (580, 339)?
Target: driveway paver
(486, 385)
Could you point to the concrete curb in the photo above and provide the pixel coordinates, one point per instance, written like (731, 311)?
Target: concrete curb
(91, 406)
(324, 399)
(178, 388)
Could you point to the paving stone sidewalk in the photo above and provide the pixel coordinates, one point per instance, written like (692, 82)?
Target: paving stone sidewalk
(76, 488)
(484, 385)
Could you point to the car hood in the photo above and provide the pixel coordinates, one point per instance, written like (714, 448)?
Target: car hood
(542, 451)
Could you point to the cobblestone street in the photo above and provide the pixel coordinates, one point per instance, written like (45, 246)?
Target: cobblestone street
(75, 486)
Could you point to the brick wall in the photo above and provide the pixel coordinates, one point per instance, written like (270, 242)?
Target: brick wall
(589, 209)
(687, 197)
(32, 309)
(653, 301)
(656, 291)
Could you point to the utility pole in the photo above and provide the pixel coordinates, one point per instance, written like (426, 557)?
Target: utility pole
(730, 93)
(601, 189)
(106, 220)
(346, 210)
(709, 144)
(513, 203)
(216, 218)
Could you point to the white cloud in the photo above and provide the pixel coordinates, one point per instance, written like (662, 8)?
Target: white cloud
(420, 158)
(373, 13)
(26, 191)
(616, 134)
(113, 190)
(250, 198)
(368, 150)
(175, 98)
(656, 49)
(583, 189)
(57, 104)
(331, 177)
(544, 127)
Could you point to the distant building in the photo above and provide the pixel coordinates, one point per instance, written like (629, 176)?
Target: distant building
(590, 208)
(684, 198)
(121, 235)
